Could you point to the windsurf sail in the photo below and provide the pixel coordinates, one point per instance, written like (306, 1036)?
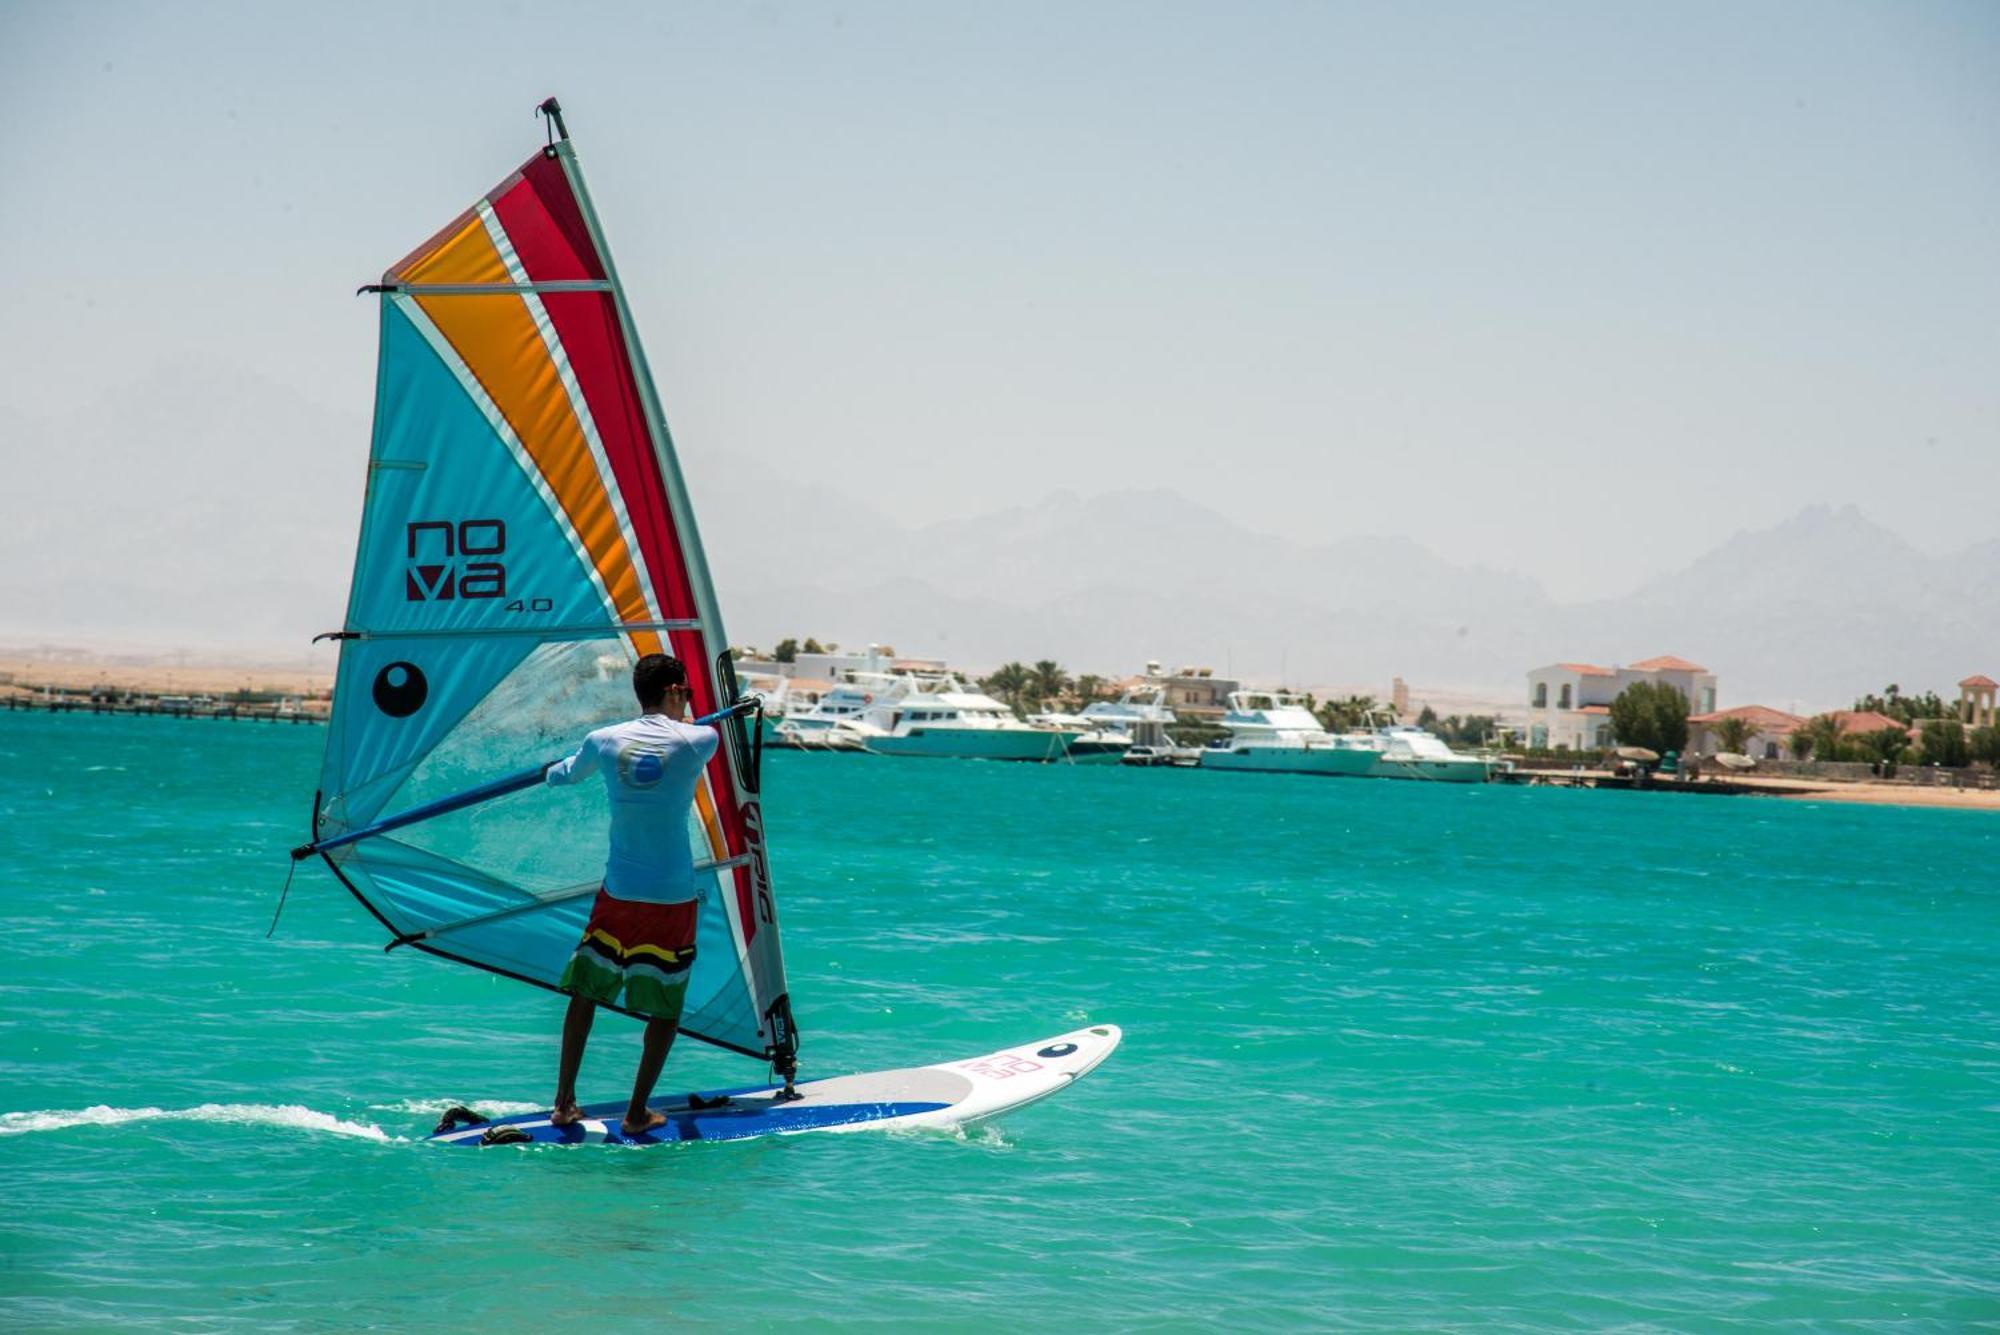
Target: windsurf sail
(526, 536)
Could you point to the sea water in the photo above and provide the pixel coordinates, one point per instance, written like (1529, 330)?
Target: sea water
(1397, 1055)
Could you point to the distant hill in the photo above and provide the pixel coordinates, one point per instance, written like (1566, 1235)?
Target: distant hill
(131, 518)
(216, 512)
(1818, 609)
(1812, 611)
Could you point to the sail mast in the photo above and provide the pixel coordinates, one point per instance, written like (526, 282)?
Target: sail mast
(642, 375)
(784, 1035)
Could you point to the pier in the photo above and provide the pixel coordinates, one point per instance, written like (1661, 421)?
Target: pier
(220, 709)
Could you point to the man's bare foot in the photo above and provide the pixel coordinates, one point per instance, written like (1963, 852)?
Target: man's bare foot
(654, 1121)
(565, 1114)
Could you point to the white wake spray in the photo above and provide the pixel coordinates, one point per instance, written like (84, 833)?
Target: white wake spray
(435, 1107)
(289, 1115)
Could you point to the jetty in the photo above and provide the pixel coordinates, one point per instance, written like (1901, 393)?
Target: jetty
(252, 711)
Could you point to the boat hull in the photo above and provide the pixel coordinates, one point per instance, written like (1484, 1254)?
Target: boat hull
(1291, 760)
(973, 744)
(1432, 771)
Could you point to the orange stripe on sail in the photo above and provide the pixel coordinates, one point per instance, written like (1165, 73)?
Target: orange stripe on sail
(497, 338)
(465, 256)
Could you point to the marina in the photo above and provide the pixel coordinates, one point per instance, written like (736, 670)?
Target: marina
(1263, 732)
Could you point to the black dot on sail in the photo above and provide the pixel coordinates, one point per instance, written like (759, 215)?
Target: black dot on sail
(400, 689)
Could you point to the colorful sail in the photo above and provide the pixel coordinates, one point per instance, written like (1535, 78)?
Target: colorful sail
(526, 536)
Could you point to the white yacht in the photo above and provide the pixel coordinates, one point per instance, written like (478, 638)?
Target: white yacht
(935, 714)
(1092, 745)
(1142, 715)
(1274, 731)
(837, 720)
(923, 714)
(1411, 753)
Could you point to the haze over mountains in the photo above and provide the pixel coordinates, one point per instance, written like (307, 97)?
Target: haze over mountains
(170, 514)
(1809, 613)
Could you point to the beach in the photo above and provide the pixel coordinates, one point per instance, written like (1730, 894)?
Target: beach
(23, 673)
(1940, 796)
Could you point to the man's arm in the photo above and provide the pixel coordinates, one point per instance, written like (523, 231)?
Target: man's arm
(571, 768)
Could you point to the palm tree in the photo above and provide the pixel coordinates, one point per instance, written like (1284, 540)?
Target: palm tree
(1732, 733)
(1887, 744)
(1827, 741)
(1009, 681)
(1348, 714)
(1088, 688)
(1049, 681)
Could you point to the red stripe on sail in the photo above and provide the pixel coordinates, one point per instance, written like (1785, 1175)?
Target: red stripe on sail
(543, 223)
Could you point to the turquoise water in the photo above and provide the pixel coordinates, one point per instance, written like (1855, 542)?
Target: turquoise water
(1397, 1055)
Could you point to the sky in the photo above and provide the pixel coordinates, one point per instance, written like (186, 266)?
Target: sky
(1499, 278)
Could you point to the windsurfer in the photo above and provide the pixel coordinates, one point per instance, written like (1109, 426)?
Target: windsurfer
(641, 934)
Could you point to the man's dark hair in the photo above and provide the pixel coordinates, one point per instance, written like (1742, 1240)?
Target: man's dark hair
(653, 674)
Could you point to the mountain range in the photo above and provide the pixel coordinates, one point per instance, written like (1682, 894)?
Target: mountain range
(218, 517)
(1808, 613)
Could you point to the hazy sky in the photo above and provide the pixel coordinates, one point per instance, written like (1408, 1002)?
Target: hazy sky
(1486, 275)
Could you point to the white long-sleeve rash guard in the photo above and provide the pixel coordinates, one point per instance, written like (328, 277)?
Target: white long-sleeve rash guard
(650, 767)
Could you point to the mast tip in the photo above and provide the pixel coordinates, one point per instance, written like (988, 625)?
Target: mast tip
(553, 110)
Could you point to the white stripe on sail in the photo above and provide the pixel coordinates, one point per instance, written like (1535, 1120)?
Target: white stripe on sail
(559, 356)
(501, 428)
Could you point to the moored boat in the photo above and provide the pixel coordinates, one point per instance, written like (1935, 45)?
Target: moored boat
(1274, 732)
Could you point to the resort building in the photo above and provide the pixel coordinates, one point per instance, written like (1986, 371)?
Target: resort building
(1569, 704)
(1861, 722)
(1770, 731)
(1975, 702)
(1195, 694)
(822, 668)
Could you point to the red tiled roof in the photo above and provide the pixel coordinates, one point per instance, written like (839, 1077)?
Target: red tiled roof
(1761, 718)
(1586, 669)
(1595, 709)
(1856, 721)
(1981, 680)
(1667, 663)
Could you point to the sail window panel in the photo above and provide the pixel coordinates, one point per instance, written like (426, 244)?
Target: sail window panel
(537, 855)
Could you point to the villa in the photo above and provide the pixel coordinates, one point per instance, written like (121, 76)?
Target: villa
(1770, 730)
(1569, 704)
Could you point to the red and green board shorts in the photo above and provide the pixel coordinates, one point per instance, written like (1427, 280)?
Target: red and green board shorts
(645, 951)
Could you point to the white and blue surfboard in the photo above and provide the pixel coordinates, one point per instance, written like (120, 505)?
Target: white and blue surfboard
(947, 1095)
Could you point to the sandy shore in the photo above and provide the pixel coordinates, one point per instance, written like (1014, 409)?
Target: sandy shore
(1877, 794)
(19, 674)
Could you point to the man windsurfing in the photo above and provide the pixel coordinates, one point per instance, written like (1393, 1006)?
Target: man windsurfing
(640, 938)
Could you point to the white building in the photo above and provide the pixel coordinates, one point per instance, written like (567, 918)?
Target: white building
(1569, 704)
(1196, 694)
(835, 667)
